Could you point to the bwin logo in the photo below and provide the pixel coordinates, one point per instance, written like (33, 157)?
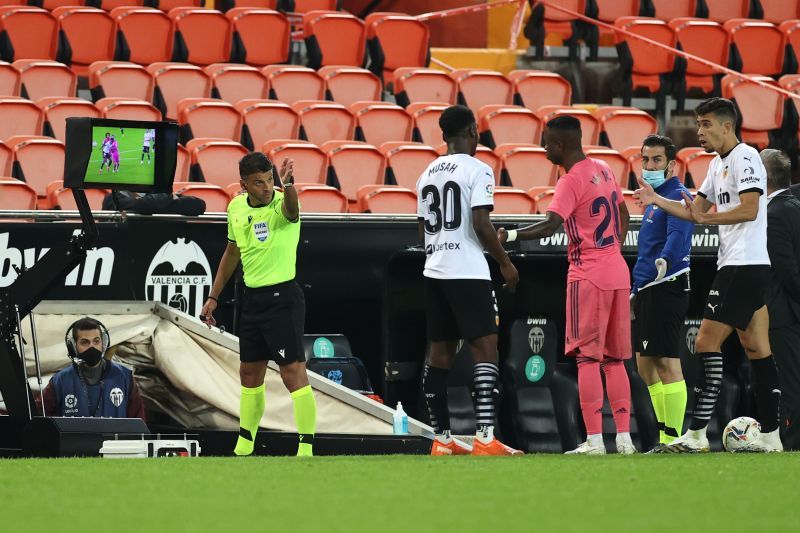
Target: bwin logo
(691, 338)
(536, 339)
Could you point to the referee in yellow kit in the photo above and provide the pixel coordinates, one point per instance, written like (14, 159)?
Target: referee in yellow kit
(263, 231)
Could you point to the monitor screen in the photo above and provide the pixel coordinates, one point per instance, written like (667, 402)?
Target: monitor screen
(122, 155)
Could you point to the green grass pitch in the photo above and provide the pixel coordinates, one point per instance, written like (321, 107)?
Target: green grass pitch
(130, 155)
(538, 493)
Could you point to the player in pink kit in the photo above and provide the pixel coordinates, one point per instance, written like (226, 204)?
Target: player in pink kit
(114, 153)
(588, 202)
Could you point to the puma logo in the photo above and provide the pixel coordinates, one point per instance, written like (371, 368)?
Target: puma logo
(713, 308)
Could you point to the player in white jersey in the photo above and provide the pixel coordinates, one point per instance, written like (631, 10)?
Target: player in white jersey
(149, 137)
(455, 196)
(737, 184)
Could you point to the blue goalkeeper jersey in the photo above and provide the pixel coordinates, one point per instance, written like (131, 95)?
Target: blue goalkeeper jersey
(663, 236)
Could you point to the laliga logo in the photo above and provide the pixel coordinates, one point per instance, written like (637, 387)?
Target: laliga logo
(179, 275)
(70, 401)
(691, 337)
(536, 339)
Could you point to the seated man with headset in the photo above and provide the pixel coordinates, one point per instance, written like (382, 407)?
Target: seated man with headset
(92, 385)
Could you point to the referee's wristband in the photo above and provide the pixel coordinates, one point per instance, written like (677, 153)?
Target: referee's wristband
(212, 298)
(512, 235)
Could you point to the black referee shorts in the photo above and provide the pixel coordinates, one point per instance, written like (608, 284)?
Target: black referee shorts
(660, 311)
(272, 323)
(460, 309)
(736, 294)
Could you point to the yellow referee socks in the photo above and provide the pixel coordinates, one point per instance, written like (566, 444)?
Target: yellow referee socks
(305, 415)
(674, 409)
(656, 391)
(251, 408)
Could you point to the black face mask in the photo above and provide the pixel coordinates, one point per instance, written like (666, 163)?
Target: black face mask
(91, 356)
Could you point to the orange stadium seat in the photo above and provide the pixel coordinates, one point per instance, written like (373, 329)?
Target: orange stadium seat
(16, 195)
(260, 36)
(590, 126)
(57, 109)
(202, 36)
(695, 162)
(208, 117)
(353, 165)
(778, 11)
(542, 197)
(630, 203)
(668, 10)
(526, 166)
(609, 11)
(407, 161)
(791, 83)
(304, 6)
(42, 78)
(757, 47)
(50, 5)
(9, 80)
(334, 38)
(706, 39)
(791, 31)
(423, 85)
(184, 164)
(227, 5)
(290, 83)
(232, 82)
(396, 40)
(214, 196)
(535, 88)
(503, 124)
(127, 109)
(264, 120)
(108, 5)
(234, 189)
(487, 155)
(5, 159)
(551, 26)
(513, 201)
(623, 127)
(216, 160)
(310, 163)
(347, 85)
(761, 109)
(617, 162)
(144, 35)
(426, 122)
(388, 199)
(168, 5)
(724, 10)
(643, 66)
(634, 156)
(87, 35)
(477, 88)
(120, 79)
(20, 117)
(176, 81)
(380, 122)
(62, 198)
(323, 121)
(38, 161)
(27, 33)
(317, 198)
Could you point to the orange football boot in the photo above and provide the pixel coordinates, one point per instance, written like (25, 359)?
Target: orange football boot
(495, 447)
(453, 447)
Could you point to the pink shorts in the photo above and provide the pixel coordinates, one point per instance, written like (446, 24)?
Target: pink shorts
(598, 321)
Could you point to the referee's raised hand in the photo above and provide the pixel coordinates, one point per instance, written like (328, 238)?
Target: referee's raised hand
(287, 171)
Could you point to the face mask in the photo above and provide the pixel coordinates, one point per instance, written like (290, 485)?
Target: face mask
(654, 177)
(91, 356)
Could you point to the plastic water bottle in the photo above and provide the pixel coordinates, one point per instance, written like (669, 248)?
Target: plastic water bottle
(400, 420)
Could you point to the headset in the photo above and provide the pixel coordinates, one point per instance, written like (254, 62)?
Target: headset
(69, 340)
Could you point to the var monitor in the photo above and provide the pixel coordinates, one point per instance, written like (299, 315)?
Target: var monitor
(130, 155)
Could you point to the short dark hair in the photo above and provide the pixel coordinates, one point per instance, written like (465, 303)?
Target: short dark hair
(660, 140)
(779, 168)
(722, 108)
(86, 324)
(455, 119)
(565, 123)
(253, 163)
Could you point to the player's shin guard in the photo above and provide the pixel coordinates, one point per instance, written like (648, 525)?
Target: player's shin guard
(674, 410)
(707, 390)
(590, 391)
(251, 408)
(434, 386)
(768, 392)
(656, 391)
(305, 415)
(618, 389)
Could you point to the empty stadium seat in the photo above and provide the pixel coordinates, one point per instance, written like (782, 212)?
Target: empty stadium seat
(502, 124)
(347, 85)
(630, 203)
(208, 117)
(168, 5)
(86, 35)
(757, 47)
(590, 126)
(388, 199)
(512, 201)
(695, 162)
(526, 166)
(610, 11)
(290, 83)
(232, 82)
(778, 11)
(625, 127)
(407, 161)
(108, 5)
(323, 121)
(27, 33)
(202, 36)
(668, 10)
(477, 88)
(642, 65)
(557, 27)
(617, 162)
(353, 165)
(120, 79)
(310, 163)
(16, 195)
(62, 198)
(5, 159)
(20, 117)
(334, 38)
(413, 84)
(42, 78)
(543, 198)
(217, 161)
(260, 36)
(426, 122)
(724, 10)
(144, 35)
(761, 109)
(535, 88)
(791, 31)
(317, 198)
(127, 109)
(486, 155)
(9, 80)
(176, 81)
(706, 39)
(264, 120)
(56, 110)
(396, 40)
(380, 122)
(634, 156)
(183, 166)
(234, 189)
(38, 161)
(214, 196)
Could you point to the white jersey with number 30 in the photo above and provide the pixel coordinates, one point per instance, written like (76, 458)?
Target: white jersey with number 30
(447, 192)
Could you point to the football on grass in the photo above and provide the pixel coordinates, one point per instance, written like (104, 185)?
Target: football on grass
(740, 432)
